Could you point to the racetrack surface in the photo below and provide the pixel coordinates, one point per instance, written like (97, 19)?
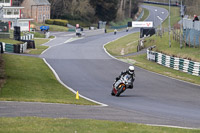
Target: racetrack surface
(84, 66)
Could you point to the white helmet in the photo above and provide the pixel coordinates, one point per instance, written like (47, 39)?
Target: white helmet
(131, 69)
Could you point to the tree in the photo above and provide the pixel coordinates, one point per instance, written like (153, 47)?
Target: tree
(105, 10)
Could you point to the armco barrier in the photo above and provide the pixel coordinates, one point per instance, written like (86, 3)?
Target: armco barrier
(184, 65)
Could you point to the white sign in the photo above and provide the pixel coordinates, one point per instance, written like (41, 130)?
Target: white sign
(142, 24)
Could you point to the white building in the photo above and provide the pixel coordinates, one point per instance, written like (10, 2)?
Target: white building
(13, 16)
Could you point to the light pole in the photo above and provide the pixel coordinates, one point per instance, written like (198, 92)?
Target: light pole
(155, 16)
(43, 18)
(181, 25)
(169, 25)
(161, 20)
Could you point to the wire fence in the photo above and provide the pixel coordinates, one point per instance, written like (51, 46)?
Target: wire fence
(191, 32)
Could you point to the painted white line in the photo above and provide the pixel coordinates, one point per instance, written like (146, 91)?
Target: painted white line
(67, 41)
(43, 103)
(57, 77)
(73, 39)
(70, 34)
(171, 126)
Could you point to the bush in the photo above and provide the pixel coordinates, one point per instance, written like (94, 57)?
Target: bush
(81, 23)
(49, 21)
(57, 22)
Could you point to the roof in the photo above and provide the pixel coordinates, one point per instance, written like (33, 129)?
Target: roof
(41, 2)
(12, 7)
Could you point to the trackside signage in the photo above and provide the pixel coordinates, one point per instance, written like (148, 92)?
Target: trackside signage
(147, 24)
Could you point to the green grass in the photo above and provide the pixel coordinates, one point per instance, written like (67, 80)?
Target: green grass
(146, 14)
(10, 41)
(29, 79)
(47, 125)
(128, 44)
(53, 27)
(57, 28)
(38, 35)
(39, 48)
(142, 62)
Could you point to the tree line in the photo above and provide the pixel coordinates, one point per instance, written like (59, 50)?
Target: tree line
(94, 10)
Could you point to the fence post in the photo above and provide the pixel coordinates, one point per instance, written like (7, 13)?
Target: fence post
(189, 41)
(194, 42)
(176, 34)
(185, 40)
(199, 41)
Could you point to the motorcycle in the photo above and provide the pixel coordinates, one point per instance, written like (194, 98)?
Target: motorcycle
(121, 85)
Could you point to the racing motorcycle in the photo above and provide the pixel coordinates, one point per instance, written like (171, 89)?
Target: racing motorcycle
(121, 85)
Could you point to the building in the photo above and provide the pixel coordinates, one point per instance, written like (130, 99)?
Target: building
(39, 10)
(13, 15)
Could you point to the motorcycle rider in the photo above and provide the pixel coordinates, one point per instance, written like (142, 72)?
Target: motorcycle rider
(131, 72)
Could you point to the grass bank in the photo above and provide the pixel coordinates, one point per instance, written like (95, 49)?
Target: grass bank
(53, 27)
(123, 46)
(162, 45)
(146, 14)
(29, 79)
(46, 125)
(10, 41)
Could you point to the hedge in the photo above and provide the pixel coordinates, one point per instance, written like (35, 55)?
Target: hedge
(57, 22)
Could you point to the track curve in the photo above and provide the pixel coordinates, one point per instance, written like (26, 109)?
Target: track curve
(84, 66)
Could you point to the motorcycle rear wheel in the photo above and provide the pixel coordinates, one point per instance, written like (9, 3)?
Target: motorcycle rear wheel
(112, 93)
(119, 92)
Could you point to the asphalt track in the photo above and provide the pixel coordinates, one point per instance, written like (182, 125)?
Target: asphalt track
(84, 66)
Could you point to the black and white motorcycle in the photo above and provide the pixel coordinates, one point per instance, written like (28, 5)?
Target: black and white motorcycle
(121, 85)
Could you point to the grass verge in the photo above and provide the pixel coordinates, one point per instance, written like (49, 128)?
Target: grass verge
(162, 45)
(2, 72)
(46, 125)
(10, 41)
(125, 45)
(146, 14)
(29, 79)
(53, 27)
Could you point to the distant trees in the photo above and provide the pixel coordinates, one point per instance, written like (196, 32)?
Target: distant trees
(72, 9)
(105, 10)
(193, 7)
(127, 9)
(94, 10)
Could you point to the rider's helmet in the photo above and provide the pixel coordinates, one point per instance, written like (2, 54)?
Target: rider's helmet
(131, 69)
